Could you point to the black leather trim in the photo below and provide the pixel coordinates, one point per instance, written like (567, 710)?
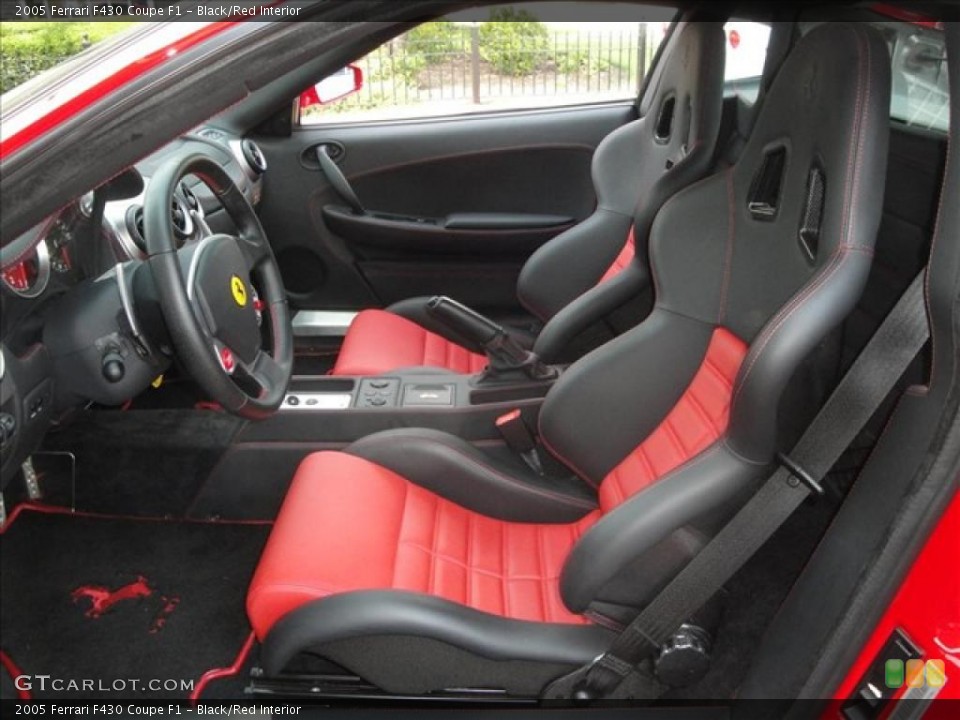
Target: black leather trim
(634, 174)
(579, 256)
(700, 487)
(415, 309)
(367, 613)
(599, 301)
(606, 403)
(462, 473)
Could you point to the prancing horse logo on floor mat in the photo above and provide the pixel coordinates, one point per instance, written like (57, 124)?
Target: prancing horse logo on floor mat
(103, 599)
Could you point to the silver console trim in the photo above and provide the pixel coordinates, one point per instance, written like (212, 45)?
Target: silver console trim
(322, 323)
(317, 401)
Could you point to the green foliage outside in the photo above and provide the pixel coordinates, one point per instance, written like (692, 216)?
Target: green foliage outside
(513, 42)
(29, 48)
(434, 40)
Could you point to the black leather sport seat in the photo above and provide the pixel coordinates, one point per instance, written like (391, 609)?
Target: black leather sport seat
(588, 271)
(420, 562)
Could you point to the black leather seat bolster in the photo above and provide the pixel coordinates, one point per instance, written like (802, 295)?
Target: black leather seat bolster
(707, 483)
(792, 334)
(365, 613)
(666, 346)
(464, 474)
(594, 304)
(580, 256)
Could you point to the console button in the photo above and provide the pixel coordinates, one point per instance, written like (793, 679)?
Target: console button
(378, 402)
(379, 384)
(293, 400)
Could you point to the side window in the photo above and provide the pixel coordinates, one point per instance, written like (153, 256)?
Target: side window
(919, 69)
(746, 53)
(502, 58)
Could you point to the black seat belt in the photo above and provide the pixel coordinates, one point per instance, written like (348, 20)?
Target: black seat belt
(869, 381)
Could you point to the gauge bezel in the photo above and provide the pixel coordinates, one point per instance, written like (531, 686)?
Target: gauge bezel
(42, 253)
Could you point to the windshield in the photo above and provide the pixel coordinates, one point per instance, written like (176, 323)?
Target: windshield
(28, 48)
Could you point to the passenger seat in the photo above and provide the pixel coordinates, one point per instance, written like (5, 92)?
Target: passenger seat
(590, 270)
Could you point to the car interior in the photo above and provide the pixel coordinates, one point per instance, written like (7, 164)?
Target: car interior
(407, 410)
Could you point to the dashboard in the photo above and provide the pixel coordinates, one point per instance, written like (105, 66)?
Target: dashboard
(66, 297)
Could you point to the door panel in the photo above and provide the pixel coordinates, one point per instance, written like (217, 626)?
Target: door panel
(462, 203)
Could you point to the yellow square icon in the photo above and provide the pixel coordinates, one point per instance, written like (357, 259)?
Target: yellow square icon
(914, 673)
(936, 673)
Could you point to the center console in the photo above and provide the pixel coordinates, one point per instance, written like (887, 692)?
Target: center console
(344, 409)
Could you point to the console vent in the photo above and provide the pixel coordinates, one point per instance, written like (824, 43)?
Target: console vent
(254, 156)
(179, 217)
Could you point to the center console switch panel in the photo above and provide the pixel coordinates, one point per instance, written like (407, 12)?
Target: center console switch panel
(378, 392)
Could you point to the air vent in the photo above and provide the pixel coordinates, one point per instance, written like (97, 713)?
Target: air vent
(134, 221)
(254, 156)
(179, 218)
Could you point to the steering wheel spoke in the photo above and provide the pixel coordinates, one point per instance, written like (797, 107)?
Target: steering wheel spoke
(212, 309)
(264, 371)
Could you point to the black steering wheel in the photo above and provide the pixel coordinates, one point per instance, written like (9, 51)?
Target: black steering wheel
(212, 311)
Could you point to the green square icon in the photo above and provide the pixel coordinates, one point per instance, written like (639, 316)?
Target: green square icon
(893, 674)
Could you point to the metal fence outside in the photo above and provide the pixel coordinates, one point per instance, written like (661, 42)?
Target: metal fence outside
(471, 66)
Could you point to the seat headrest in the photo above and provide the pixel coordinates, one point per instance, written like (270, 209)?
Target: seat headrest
(736, 248)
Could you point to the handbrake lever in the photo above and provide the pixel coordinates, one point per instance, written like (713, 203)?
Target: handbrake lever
(505, 354)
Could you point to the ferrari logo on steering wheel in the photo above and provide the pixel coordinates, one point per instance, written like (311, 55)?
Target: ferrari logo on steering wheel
(239, 291)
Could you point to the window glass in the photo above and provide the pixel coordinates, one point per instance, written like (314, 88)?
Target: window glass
(919, 71)
(503, 58)
(746, 53)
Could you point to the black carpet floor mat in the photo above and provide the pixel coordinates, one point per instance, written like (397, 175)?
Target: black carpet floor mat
(141, 462)
(117, 600)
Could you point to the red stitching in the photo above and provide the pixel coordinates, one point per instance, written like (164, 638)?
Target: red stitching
(728, 259)
(785, 314)
(851, 183)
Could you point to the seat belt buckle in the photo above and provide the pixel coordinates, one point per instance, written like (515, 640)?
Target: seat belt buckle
(519, 438)
(799, 475)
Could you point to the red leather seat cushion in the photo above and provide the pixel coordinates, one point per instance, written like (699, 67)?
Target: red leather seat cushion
(379, 342)
(349, 524)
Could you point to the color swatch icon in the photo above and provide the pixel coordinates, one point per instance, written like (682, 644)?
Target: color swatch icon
(936, 673)
(893, 674)
(914, 674)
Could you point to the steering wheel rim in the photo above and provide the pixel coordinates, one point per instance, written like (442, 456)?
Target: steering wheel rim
(206, 314)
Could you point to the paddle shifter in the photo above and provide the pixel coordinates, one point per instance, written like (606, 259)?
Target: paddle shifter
(505, 354)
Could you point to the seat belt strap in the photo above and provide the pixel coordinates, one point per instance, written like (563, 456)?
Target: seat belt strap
(869, 381)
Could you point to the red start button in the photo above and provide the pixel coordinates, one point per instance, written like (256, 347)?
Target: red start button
(227, 359)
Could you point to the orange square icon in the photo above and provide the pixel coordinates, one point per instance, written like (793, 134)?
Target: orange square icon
(936, 673)
(914, 673)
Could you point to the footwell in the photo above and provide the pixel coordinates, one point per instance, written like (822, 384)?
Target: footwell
(141, 608)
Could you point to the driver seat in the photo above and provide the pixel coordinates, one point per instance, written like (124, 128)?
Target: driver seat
(420, 562)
